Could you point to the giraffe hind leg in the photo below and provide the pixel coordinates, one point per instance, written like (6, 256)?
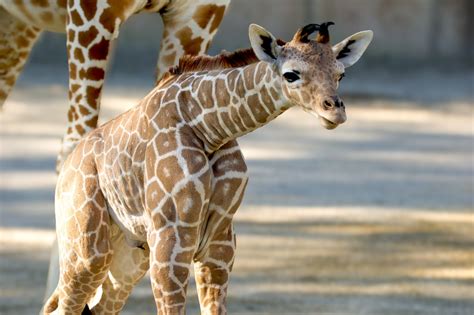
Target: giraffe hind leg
(78, 283)
(84, 234)
(16, 42)
(128, 267)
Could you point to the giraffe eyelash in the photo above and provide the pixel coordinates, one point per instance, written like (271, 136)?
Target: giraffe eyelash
(341, 76)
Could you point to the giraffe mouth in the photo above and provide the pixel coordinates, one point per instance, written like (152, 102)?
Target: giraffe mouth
(329, 125)
(326, 123)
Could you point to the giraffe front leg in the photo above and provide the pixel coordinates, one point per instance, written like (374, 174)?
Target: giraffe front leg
(16, 42)
(212, 272)
(177, 218)
(171, 251)
(90, 28)
(215, 259)
(189, 27)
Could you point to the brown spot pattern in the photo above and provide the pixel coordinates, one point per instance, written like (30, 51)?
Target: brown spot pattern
(100, 50)
(190, 45)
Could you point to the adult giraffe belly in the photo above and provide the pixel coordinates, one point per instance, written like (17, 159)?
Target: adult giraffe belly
(48, 15)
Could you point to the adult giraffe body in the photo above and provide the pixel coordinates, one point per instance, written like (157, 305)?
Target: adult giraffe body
(90, 26)
(156, 188)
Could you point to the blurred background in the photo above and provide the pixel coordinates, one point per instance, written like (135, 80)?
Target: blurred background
(417, 43)
(407, 32)
(375, 217)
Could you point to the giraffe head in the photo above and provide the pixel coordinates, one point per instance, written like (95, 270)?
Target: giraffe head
(311, 69)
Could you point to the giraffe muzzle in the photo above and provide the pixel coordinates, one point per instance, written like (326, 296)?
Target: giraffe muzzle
(333, 112)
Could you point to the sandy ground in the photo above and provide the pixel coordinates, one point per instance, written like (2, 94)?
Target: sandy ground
(375, 217)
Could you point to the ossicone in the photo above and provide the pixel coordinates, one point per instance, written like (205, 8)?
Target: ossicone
(323, 34)
(302, 35)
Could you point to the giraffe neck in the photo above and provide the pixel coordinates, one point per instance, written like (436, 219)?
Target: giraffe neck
(226, 104)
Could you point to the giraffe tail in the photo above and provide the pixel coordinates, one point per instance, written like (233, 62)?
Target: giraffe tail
(51, 297)
(51, 304)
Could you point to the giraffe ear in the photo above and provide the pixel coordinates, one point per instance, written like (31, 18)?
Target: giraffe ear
(352, 48)
(263, 43)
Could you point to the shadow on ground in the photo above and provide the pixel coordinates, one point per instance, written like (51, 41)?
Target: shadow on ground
(374, 217)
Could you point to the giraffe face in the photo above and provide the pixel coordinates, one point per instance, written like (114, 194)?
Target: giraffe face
(310, 69)
(310, 77)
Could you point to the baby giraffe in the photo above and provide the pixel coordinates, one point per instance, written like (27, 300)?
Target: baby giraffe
(156, 188)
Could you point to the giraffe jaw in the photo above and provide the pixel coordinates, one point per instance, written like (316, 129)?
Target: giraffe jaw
(326, 123)
(329, 125)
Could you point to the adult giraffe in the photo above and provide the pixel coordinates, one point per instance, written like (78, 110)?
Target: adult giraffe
(157, 187)
(90, 26)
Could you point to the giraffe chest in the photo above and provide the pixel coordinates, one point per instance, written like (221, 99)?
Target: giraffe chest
(147, 187)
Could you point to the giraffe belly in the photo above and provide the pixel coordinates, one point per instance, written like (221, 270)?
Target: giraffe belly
(50, 16)
(132, 226)
(125, 207)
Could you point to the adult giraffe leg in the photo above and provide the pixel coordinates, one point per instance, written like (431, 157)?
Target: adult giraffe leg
(90, 28)
(216, 252)
(128, 267)
(16, 42)
(189, 27)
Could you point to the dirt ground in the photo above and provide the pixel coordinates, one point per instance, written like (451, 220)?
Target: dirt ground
(375, 217)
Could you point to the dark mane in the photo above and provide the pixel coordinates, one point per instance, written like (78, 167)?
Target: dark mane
(224, 60)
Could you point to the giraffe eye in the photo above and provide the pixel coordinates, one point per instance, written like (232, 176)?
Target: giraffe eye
(341, 76)
(291, 76)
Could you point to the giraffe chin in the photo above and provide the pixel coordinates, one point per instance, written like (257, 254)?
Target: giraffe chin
(329, 125)
(326, 123)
